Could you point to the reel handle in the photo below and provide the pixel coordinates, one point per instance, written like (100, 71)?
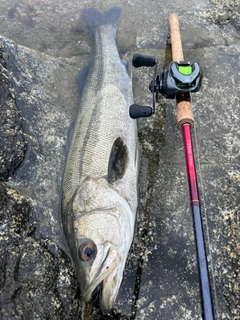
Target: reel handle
(140, 60)
(184, 108)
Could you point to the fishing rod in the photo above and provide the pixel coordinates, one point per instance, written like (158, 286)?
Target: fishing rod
(178, 81)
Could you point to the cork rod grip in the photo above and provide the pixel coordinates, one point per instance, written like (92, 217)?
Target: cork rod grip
(184, 108)
(176, 43)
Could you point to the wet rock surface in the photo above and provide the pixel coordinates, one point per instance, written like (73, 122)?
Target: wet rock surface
(13, 142)
(224, 12)
(37, 278)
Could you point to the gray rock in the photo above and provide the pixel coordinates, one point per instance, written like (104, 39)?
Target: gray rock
(36, 278)
(13, 141)
(224, 12)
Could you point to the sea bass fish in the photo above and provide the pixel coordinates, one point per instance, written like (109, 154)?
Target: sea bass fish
(99, 198)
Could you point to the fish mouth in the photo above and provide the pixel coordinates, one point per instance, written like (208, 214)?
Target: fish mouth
(105, 286)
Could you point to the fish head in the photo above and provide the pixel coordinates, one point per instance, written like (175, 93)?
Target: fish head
(100, 257)
(99, 271)
(99, 230)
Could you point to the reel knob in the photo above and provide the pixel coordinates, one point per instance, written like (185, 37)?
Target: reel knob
(140, 60)
(137, 111)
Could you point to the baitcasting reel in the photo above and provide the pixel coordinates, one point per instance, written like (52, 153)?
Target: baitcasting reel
(178, 78)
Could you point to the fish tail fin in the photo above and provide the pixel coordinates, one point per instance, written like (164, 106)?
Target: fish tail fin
(95, 19)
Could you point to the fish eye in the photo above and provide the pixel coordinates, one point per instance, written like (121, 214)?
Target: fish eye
(86, 251)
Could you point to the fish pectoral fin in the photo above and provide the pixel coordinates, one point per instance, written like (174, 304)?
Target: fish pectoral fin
(118, 160)
(128, 67)
(82, 76)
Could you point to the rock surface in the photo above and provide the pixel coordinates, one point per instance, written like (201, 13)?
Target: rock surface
(36, 277)
(13, 142)
(39, 99)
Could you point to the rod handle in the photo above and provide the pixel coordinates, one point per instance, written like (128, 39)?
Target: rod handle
(176, 43)
(184, 108)
(184, 114)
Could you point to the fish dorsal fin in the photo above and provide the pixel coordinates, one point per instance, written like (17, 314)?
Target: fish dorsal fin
(118, 160)
(82, 76)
